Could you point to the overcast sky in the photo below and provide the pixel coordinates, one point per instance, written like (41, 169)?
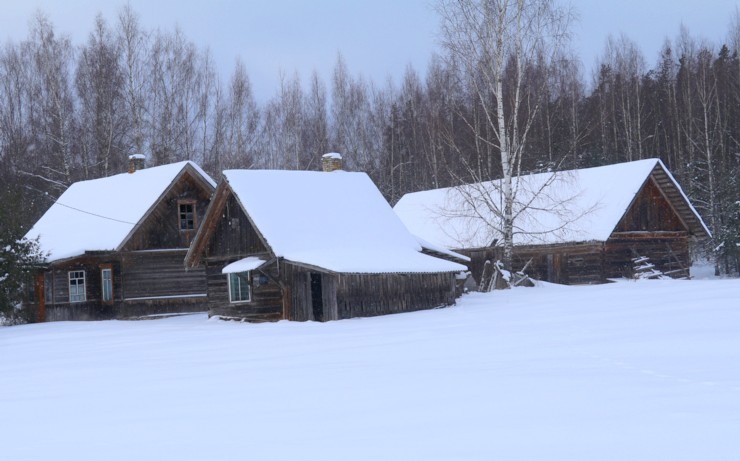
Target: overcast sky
(378, 38)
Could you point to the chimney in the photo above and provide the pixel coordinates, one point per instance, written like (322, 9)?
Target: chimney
(331, 162)
(135, 162)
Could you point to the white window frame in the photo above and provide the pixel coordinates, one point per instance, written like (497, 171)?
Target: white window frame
(77, 297)
(103, 270)
(246, 278)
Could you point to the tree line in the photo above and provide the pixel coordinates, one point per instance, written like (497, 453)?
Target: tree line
(71, 112)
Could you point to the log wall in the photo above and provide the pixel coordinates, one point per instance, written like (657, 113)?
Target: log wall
(667, 251)
(266, 302)
(155, 274)
(566, 264)
(144, 283)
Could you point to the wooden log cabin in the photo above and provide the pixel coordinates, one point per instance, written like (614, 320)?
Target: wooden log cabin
(114, 246)
(308, 245)
(572, 227)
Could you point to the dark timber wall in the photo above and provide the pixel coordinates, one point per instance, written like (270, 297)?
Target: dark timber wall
(365, 295)
(266, 302)
(144, 283)
(574, 264)
(161, 228)
(234, 236)
(668, 251)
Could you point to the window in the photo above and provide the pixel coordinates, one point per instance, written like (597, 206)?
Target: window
(106, 284)
(239, 291)
(187, 215)
(76, 286)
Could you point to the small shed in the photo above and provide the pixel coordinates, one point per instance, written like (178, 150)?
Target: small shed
(571, 227)
(306, 245)
(114, 246)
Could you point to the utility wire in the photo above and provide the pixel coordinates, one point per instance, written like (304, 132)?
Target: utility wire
(56, 201)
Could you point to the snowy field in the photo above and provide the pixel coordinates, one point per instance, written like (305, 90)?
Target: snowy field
(627, 371)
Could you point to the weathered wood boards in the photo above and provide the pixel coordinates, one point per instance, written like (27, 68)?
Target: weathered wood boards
(145, 275)
(280, 288)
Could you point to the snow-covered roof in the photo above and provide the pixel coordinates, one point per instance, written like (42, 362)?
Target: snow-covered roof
(564, 207)
(338, 221)
(99, 214)
(434, 248)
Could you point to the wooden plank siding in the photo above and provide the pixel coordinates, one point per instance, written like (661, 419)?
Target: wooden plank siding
(301, 295)
(650, 212)
(366, 295)
(233, 236)
(157, 274)
(161, 228)
(146, 282)
(566, 264)
(667, 251)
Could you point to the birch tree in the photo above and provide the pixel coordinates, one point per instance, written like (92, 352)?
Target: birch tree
(494, 41)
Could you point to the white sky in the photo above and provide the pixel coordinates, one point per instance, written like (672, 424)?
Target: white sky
(378, 38)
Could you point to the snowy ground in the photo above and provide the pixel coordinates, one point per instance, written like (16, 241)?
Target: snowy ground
(627, 371)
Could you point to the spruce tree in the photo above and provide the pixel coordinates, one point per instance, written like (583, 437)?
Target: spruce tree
(18, 259)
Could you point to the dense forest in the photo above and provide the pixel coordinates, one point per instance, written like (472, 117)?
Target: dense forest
(76, 111)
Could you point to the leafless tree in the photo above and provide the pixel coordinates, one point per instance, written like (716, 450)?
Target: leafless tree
(52, 97)
(494, 42)
(133, 44)
(102, 116)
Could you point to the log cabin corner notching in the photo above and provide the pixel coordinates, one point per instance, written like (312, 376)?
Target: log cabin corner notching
(115, 245)
(586, 226)
(301, 245)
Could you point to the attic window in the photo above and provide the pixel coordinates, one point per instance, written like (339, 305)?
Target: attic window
(187, 214)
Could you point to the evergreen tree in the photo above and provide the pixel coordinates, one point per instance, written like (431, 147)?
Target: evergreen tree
(18, 257)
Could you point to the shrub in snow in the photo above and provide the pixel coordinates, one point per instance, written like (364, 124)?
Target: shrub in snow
(18, 258)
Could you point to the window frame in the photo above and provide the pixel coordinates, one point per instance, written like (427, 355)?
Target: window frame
(247, 280)
(77, 285)
(192, 213)
(103, 269)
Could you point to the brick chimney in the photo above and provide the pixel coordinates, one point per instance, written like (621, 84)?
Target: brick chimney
(135, 162)
(331, 162)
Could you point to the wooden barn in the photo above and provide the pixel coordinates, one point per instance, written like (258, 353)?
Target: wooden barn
(309, 245)
(114, 246)
(572, 227)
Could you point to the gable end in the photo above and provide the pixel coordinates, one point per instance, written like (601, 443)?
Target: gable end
(226, 232)
(159, 227)
(651, 211)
